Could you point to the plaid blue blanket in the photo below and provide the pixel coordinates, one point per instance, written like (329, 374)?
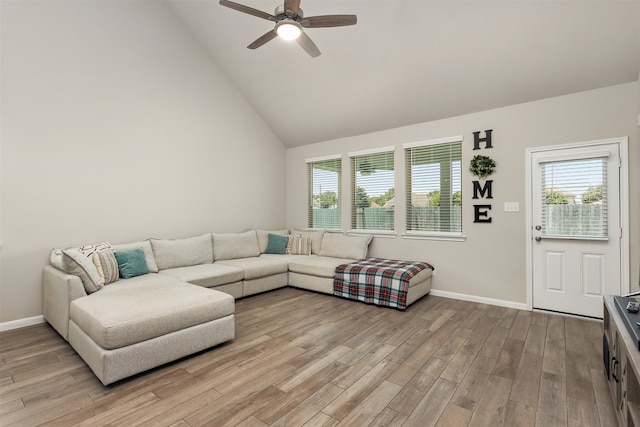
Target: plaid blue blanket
(377, 281)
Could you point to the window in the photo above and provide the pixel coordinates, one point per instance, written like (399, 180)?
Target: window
(324, 180)
(433, 172)
(372, 190)
(574, 196)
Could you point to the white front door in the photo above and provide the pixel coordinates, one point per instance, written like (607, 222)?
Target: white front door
(576, 231)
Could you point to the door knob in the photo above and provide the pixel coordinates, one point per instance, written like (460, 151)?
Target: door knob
(538, 238)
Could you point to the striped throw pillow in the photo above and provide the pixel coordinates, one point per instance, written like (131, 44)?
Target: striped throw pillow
(299, 245)
(106, 264)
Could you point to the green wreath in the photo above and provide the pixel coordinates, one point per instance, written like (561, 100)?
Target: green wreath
(482, 166)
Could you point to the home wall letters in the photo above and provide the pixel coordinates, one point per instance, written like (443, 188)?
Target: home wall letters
(482, 166)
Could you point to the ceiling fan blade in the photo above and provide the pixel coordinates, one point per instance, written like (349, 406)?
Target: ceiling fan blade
(263, 39)
(329, 21)
(293, 6)
(308, 45)
(249, 10)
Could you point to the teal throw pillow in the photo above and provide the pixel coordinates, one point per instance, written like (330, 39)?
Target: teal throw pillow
(132, 263)
(277, 244)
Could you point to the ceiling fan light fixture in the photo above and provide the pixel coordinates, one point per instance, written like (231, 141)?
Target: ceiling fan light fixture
(288, 30)
(289, 23)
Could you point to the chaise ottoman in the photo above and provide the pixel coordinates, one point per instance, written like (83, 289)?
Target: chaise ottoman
(383, 282)
(139, 323)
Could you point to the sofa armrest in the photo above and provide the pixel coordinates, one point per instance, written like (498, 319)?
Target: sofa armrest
(58, 290)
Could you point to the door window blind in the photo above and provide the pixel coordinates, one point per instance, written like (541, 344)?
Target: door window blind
(574, 198)
(372, 191)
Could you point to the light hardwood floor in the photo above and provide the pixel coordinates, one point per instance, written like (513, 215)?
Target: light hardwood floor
(301, 358)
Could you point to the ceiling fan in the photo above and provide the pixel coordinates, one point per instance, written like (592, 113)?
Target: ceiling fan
(290, 22)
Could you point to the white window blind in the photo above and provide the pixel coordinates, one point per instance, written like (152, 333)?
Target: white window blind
(574, 198)
(324, 180)
(372, 191)
(433, 176)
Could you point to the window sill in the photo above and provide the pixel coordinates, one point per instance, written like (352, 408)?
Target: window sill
(385, 234)
(443, 237)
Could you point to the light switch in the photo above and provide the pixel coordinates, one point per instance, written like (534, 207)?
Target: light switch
(512, 206)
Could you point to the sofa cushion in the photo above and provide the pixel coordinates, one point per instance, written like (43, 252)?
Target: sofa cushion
(257, 267)
(235, 245)
(341, 246)
(315, 236)
(171, 253)
(316, 265)
(263, 237)
(285, 257)
(277, 244)
(207, 275)
(131, 263)
(146, 247)
(73, 261)
(145, 307)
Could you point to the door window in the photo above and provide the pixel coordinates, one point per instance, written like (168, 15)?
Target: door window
(574, 198)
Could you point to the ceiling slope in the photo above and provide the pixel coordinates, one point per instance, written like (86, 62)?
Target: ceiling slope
(409, 61)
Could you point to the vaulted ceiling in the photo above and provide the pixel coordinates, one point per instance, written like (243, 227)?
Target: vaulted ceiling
(414, 61)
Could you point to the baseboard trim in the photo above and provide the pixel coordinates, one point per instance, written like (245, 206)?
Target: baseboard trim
(21, 323)
(482, 300)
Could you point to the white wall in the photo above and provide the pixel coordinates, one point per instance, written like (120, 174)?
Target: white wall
(635, 195)
(116, 127)
(491, 263)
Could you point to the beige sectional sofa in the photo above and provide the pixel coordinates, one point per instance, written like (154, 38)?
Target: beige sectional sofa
(183, 302)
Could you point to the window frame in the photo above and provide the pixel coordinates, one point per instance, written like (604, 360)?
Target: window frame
(560, 163)
(353, 157)
(408, 180)
(310, 196)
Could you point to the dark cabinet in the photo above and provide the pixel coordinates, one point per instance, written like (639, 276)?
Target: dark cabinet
(622, 362)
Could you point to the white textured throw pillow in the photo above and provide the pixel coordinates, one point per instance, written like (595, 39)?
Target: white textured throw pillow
(73, 261)
(89, 250)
